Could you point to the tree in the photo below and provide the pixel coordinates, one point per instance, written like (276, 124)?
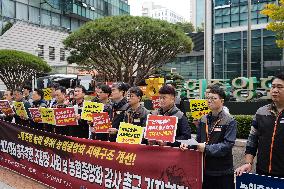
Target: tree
(276, 14)
(201, 28)
(17, 68)
(122, 47)
(187, 27)
(174, 77)
(7, 26)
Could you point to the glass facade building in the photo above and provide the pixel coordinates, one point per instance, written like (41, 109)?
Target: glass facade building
(230, 41)
(190, 65)
(68, 14)
(200, 8)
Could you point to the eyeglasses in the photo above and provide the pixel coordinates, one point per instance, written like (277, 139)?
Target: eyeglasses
(211, 98)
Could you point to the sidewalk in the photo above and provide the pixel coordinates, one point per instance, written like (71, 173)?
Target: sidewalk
(11, 180)
(4, 186)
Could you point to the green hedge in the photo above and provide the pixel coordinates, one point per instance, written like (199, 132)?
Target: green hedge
(244, 124)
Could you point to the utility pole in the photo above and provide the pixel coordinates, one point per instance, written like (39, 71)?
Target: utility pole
(208, 32)
(249, 41)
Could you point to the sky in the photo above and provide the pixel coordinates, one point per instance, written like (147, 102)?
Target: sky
(181, 7)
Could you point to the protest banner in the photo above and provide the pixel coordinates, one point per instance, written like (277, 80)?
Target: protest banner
(35, 114)
(5, 107)
(47, 94)
(101, 122)
(65, 116)
(129, 133)
(155, 102)
(198, 108)
(89, 108)
(161, 128)
(69, 162)
(254, 181)
(20, 109)
(47, 115)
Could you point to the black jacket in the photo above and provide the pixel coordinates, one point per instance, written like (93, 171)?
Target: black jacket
(82, 129)
(138, 117)
(270, 158)
(220, 136)
(118, 110)
(183, 130)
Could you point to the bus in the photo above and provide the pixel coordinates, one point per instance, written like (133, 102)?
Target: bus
(65, 80)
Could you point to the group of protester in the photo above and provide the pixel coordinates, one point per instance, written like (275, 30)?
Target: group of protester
(121, 102)
(216, 131)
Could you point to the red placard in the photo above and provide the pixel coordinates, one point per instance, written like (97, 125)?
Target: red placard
(156, 102)
(5, 107)
(73, 163)
(65, 116)
(161, 128)
(101, 122)
(36, 116)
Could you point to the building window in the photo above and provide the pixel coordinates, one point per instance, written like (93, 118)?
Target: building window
(34, 15)
(62, 54)
(21, 11)
(8, 9)
(51, 53)
(55, 19)
(40, 51)
(45, 17)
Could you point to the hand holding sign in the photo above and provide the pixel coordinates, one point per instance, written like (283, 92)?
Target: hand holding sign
(89, 108)
(65, 116)
(35, 114)
(47, 115)
(101, 122)
(112, 131)
(5, 107)
(20, 110)
(161, 128)
(129, 134)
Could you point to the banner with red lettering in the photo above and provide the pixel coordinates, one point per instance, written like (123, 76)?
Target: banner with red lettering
(161, 128)
(65, 116)
(72, 163)
(5, 107)
(101, 122)
(35, 114)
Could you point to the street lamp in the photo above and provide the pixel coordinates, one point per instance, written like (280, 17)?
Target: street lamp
(249, 41)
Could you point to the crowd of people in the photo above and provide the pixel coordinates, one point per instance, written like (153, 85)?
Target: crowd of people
(216, 131)
(121, 102)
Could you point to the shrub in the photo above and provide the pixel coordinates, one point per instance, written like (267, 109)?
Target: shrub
(190, 122)
(244, 125)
